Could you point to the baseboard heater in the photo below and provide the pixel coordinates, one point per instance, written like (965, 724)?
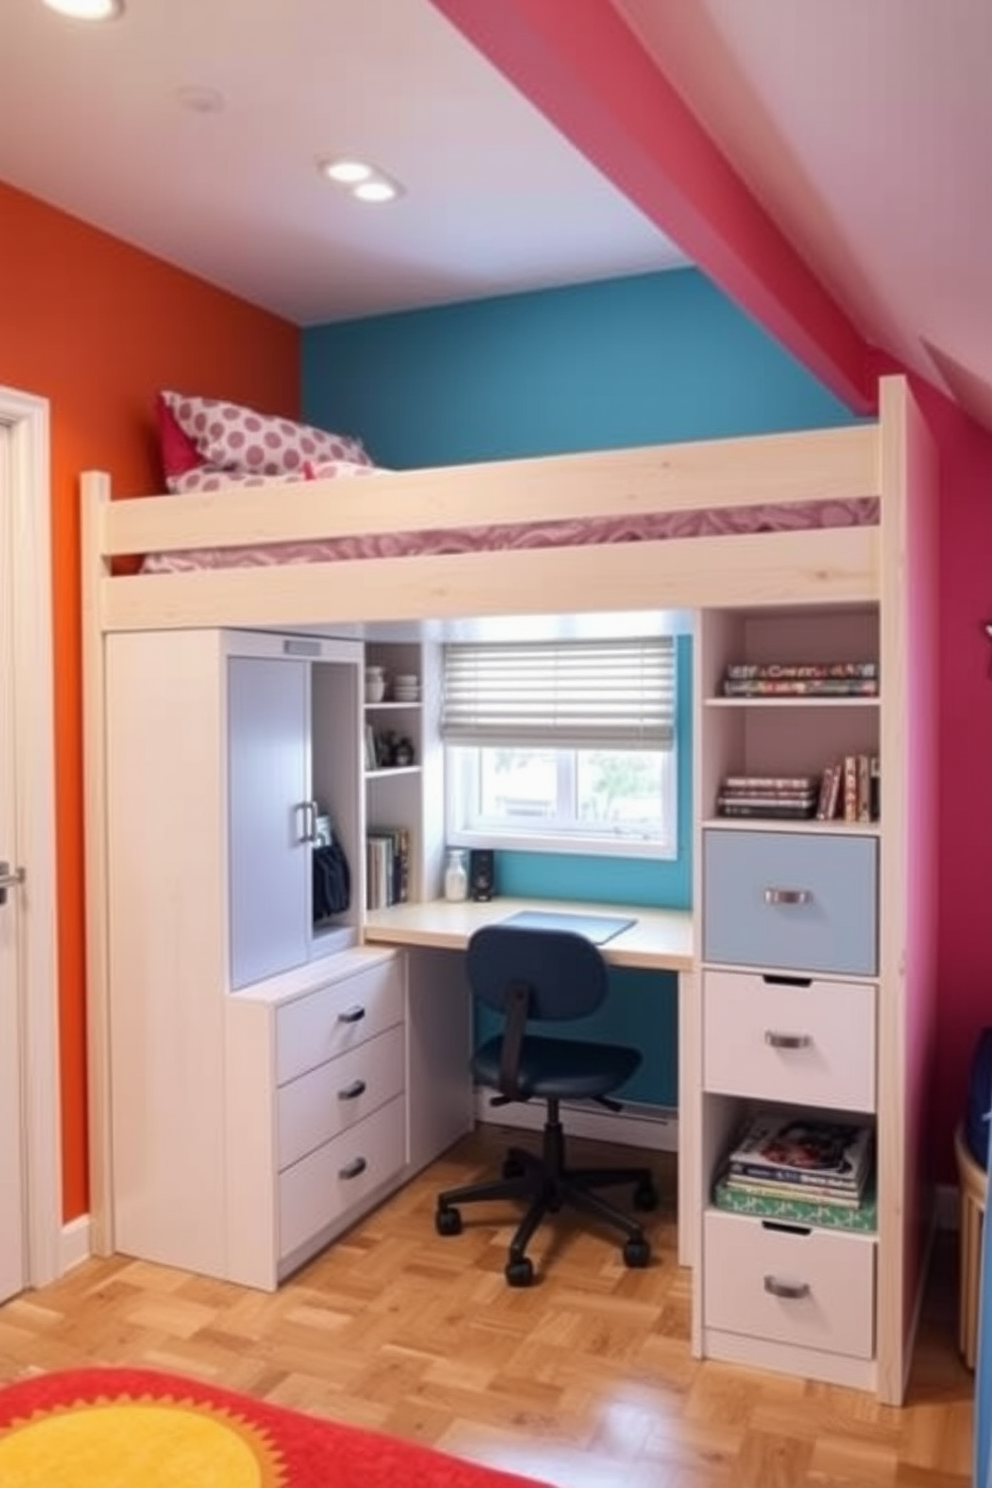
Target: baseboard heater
(636, 1125)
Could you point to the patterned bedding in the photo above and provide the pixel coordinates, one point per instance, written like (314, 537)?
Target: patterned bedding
(570, 532)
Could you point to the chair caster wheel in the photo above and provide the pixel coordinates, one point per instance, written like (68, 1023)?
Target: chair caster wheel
(448, 1222)
(637, 1253)
(519, 1273)
(512, 1167)
(645, 1197)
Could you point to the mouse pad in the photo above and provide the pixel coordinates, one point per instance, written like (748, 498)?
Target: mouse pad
(597, 928)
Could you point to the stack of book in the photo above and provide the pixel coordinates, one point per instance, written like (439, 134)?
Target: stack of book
(850, 789)
(802, 679)
(782, 796)
(387, 867)
(811, 1159)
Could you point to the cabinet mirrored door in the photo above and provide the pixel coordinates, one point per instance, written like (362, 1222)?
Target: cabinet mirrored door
(269, 814)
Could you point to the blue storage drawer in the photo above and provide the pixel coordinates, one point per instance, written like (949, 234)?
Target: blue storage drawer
(800, 901)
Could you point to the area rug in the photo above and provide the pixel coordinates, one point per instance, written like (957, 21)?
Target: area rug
(137, 1428)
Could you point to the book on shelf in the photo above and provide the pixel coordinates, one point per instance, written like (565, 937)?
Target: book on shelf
(773, 808)
(782, 796)
(844, 1198)
(774, 784)
(746, 1172)
(387, 866)
(792, 1146)
(860, 791)
(829, 797)
(800, 671)
(796, 1208)
(800, 687)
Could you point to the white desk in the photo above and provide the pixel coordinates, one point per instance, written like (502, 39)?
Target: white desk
(659, 940)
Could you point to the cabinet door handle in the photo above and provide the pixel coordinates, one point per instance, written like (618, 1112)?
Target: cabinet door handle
(792, 1291)
(788, 896)
(787, 1040)
(9, 879)
(352, 1015)
(308, 821)
(352, 1091)
(354, 1169)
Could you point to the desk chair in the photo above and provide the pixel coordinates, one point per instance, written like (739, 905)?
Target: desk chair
(536, 976)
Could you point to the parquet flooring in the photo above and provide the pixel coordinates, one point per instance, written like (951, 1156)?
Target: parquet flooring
(583, 1381)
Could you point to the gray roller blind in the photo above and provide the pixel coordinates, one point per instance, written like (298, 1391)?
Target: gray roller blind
(566, 695)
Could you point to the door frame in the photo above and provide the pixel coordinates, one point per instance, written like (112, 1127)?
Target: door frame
(26, 567)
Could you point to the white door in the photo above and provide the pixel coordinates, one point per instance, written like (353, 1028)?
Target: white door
(29, 1167)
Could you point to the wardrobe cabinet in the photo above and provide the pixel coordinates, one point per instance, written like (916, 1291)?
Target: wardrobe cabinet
(264, 1065)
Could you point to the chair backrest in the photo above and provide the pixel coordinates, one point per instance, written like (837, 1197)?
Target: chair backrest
(564, 973)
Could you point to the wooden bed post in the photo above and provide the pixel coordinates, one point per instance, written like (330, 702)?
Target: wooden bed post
(95, 498)
(907, 954)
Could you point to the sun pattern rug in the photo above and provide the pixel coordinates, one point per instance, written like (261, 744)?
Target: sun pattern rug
(138, 1428)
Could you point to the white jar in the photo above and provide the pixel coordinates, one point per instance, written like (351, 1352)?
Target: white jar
(455, 876)
(375, 684)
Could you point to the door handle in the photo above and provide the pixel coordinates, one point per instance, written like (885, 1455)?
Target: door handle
(9, 879)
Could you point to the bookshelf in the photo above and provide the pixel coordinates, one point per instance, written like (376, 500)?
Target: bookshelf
(789, 986)
(403, 768)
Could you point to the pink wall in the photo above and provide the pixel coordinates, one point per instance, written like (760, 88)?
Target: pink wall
(964, 809)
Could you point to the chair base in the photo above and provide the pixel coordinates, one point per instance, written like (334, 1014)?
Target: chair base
(546, 1185)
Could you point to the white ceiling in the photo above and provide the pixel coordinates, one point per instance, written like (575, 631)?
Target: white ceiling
(495, 199)
(862, 126)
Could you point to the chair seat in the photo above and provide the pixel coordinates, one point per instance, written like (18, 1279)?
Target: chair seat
(560, 1069)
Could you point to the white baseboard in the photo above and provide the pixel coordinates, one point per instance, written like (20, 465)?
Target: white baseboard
(74, 1247)
(634, 1126)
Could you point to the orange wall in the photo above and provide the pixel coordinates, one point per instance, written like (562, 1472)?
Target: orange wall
(97, 327)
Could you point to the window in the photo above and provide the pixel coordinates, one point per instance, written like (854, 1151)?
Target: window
(567, 747)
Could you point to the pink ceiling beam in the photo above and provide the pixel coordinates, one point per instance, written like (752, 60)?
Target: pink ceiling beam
(580, 64)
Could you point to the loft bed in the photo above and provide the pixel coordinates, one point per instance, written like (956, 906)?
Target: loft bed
(879, 477)
(588, 514)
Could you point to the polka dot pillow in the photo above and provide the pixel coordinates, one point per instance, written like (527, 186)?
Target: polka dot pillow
(229, 436)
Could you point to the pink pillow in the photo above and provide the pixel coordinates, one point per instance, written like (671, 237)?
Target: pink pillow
(232, 437)
(212, 478)
(179, 454)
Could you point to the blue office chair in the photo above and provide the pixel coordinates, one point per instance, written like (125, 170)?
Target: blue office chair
(539, 976)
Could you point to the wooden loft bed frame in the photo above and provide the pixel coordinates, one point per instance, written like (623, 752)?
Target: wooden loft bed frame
(828, 564)
(888, 564)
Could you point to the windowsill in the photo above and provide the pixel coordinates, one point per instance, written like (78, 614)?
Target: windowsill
(574, 846)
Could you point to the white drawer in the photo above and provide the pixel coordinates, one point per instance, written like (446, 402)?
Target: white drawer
(312, 1029)
(335, 1096)
(809, 1041)
(827, 1278)
(317, 1190)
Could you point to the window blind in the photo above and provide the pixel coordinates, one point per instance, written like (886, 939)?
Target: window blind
(566, 695)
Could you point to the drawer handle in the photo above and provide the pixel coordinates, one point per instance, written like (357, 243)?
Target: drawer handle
(354, 1169)
(792, 1291)
(352, 1091)
(352, 1015)
(787, 1040)
(788, 896)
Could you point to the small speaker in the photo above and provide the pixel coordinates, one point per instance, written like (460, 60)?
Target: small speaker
(481, 874)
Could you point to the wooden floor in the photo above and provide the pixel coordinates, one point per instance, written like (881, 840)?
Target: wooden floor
(584, 1380)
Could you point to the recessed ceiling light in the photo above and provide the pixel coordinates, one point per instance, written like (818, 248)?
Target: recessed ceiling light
(87, 10)
(377, 190)
(346, 172)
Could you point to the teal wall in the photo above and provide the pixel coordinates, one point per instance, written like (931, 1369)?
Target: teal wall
(643, 360)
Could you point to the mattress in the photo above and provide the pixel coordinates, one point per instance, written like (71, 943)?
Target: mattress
(720, 521)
